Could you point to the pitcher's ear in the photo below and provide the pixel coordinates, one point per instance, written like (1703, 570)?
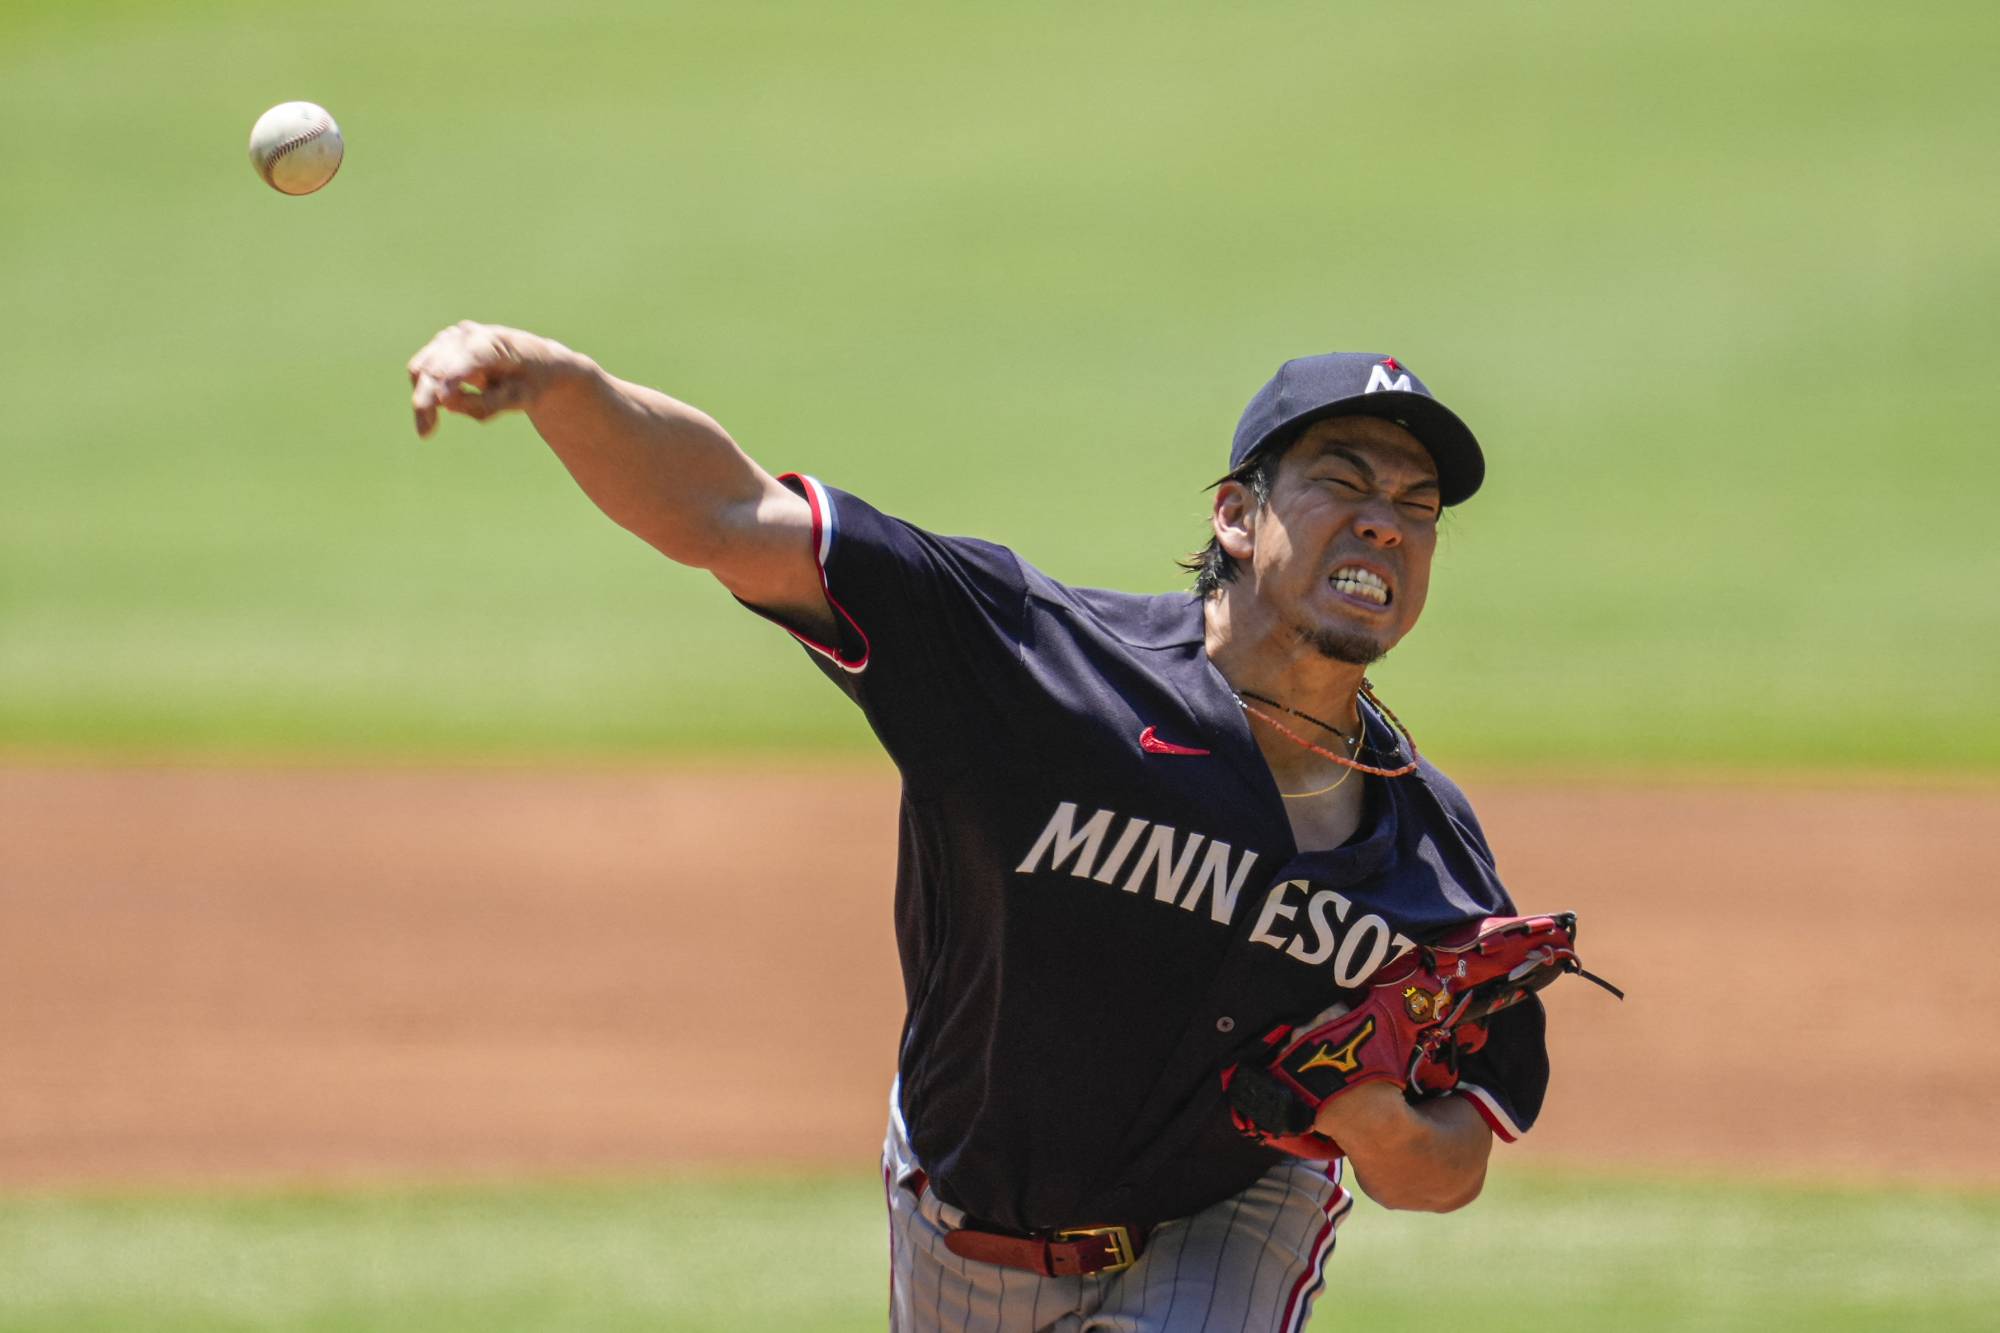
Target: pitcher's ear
(1234, 519)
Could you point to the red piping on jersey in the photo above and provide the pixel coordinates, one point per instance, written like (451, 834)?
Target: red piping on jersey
(820, 551)
(1315, 1274)
(1489, 1111)
(889, 1201)
(1152, 744)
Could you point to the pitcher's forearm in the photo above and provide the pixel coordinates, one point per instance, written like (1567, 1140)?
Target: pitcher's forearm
(1430, 1157)
(658, 467)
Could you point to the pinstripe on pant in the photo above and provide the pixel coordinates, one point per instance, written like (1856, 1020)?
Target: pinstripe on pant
(1251, 1262)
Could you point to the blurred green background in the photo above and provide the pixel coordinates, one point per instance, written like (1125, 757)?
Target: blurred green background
(1718, 284)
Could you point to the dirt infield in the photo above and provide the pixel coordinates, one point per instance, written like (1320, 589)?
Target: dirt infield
(327, 975)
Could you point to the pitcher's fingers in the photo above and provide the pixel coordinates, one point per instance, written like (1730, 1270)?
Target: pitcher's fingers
(429, 389)
(424, 399)
(436, 350)
(504, 351)
(469, 399)
(445, 366)
(476, 407)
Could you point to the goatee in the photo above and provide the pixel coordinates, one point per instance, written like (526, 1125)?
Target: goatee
(1342, 646)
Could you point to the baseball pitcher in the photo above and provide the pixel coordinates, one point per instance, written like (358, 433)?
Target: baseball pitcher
(1188, 929)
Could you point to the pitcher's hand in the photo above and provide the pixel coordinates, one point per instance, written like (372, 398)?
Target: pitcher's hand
(480, 370)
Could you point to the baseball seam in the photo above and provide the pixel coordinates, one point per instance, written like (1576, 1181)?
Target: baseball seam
(296, 141)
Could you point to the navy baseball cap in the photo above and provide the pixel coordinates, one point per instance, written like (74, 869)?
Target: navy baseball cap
(1361, 384)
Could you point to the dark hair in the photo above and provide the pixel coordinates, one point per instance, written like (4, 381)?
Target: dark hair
(1211, 565)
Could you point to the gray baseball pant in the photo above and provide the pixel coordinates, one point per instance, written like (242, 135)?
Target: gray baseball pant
(1251, 1262)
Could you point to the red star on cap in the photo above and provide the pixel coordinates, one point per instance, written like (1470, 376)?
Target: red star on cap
(1390, 362)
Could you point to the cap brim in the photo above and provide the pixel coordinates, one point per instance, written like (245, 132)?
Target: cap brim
(1460, 463)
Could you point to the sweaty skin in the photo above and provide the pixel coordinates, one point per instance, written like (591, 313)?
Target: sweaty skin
(1350, 490)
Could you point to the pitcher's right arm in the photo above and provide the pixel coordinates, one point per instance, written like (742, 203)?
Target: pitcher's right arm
(659, 468)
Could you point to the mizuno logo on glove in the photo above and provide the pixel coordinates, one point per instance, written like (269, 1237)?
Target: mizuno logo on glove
(1344, 1059)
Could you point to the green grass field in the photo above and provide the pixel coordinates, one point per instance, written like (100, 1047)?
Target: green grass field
(1563, 1254)
(1715, 282)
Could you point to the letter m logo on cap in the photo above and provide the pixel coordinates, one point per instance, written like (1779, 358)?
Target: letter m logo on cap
(1379, 377)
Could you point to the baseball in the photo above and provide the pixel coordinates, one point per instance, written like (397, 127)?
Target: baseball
(295, 147)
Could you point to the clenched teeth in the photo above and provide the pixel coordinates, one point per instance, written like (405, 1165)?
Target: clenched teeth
(1361, 583)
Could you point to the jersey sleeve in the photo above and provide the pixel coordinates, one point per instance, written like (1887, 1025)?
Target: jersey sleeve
(1507, 1078)
(929, 628)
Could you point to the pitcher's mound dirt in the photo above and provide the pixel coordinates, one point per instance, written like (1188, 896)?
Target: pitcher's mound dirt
(237, 975)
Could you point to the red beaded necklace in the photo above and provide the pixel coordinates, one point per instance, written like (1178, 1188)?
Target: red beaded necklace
(1368, 693)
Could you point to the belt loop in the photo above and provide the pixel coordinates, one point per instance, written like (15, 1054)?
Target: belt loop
(930, 1207)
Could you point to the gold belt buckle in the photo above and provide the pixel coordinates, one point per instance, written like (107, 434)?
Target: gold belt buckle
(1118, 1238)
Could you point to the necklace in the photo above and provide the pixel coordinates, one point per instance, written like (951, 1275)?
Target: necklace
(1352, 741)
(1345, 774)
(1368, 693)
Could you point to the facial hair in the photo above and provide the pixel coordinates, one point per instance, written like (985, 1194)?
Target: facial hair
(1353, 648)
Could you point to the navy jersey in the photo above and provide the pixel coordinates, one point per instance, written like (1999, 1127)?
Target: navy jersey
(1091, 927)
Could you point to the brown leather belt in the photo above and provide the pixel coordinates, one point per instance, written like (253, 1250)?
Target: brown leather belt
(1066, 1252)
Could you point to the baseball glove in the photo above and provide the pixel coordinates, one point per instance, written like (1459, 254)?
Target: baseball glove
(1417, 1016)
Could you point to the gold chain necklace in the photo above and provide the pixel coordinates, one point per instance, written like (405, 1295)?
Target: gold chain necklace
(1352, 741)
(1345, 774)
(1368, 693)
